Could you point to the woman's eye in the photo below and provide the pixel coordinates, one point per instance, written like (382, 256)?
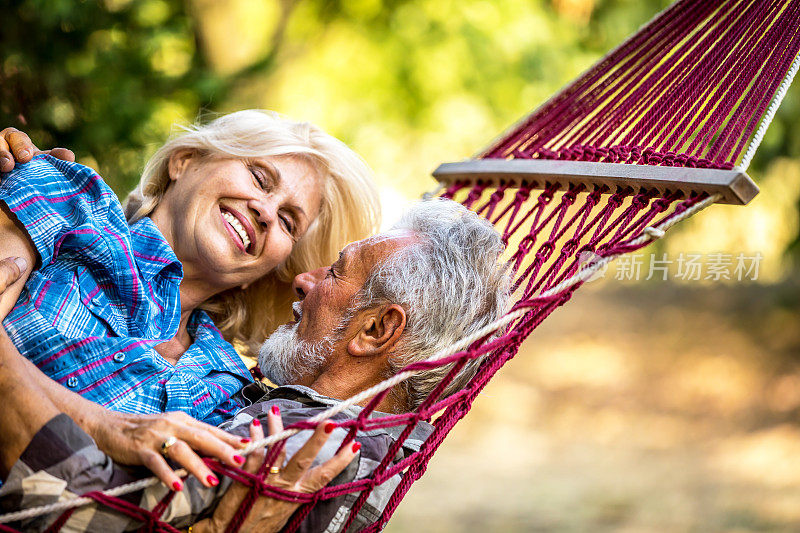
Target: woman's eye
(258, 174)
(287, 224)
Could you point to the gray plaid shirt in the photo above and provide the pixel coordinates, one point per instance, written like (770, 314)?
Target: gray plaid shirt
(62, 462)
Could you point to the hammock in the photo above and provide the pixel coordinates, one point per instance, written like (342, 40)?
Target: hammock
(647, 137)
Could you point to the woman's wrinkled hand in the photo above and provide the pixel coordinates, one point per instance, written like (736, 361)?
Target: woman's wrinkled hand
(271, 514)
(17, 147)
(138, 440)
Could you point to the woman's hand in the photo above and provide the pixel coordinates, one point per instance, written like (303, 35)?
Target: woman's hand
(271, 514)
(17, 147)
(138, 440)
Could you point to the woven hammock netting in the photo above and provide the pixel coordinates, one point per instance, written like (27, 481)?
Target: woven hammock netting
(688, 90)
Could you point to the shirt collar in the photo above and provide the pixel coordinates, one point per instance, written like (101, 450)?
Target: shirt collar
(209, 351)
(259, 391)
(152, 251)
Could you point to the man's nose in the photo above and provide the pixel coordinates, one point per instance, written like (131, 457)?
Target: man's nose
(304, 283)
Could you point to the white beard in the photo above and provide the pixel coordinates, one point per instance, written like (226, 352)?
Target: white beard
(284, 358)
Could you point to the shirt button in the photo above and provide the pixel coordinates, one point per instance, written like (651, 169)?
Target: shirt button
(119, 357)
(72, 382)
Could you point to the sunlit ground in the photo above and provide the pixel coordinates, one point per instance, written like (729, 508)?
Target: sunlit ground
(636, 407)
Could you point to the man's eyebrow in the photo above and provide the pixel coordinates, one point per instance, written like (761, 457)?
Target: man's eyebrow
(342, 261)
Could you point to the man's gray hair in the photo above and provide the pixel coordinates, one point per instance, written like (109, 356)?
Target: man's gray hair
(450, 284)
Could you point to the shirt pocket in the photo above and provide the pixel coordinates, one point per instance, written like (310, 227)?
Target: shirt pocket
(58, 298)
(103, 317)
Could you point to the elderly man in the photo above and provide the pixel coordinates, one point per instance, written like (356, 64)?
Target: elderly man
(388, 301)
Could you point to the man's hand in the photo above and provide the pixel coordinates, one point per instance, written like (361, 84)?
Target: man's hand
(17, 147)
(11, 268)
(137, 440)
(271, 514)
(22, 414)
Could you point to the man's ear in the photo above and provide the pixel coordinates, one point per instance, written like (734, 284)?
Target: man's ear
(178, 162)
(380, 330)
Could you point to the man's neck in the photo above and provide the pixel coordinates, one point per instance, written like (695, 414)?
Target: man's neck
(327, 384)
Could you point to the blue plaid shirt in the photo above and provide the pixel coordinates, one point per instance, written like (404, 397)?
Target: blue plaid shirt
(104, 295)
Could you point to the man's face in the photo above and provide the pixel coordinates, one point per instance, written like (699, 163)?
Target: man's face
(299, 351)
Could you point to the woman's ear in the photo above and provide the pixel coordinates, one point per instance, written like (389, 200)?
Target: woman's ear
(379, 331)
(178, 163)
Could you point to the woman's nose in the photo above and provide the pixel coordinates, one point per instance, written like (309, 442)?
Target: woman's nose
(265, 210)
(305, 282)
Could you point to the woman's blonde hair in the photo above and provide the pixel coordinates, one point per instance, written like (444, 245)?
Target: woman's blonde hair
(349, 211)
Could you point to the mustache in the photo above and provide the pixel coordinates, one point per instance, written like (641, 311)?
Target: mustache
(298, 311)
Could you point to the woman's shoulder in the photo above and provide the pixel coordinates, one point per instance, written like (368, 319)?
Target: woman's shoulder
(52, 199)
(51, 180)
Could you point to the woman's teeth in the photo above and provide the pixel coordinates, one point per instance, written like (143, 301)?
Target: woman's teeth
(236, 225)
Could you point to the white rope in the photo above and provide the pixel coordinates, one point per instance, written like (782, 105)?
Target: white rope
(770, 114)
(649, 234)
(80, 501)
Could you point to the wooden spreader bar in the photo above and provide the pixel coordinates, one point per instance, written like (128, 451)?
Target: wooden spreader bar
(734, 185)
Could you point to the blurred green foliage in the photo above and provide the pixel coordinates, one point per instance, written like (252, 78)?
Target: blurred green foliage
(97, 76)
(409, 83)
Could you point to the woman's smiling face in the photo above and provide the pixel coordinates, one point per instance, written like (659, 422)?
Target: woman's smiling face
(231, 221)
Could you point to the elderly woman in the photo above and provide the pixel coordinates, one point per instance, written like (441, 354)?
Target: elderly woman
(136, 309)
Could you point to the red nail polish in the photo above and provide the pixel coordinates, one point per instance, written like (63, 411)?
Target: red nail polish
(276, 410)
(356, 446)
(256, 422)
(177, 486)
(238, 459)
(245, 441)
(330, 426)
(212, 480)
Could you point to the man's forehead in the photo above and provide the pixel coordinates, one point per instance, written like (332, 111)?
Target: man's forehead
(381, 243)
(395, 236)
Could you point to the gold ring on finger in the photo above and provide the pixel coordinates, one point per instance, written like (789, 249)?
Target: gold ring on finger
(165, 446)
(274, 470)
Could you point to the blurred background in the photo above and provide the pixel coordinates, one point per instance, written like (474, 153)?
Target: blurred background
(643, 405)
